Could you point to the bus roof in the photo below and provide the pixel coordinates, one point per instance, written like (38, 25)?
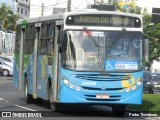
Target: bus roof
(43, 18)
(62, 15)
(104, 12)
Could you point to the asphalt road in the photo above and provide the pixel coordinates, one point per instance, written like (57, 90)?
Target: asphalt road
(12, 100)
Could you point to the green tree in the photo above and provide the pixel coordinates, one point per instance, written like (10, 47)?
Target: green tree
(146, 17)
(7, 18)
(153, 34)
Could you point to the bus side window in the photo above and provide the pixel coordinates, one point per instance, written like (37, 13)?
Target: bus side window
(32, 38)
(50, 46)
(43, 46)
(26, 40)
(17, 40)
(50, 38)
(43, 39)
(29, 39)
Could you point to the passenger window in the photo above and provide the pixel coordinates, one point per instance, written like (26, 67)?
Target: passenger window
(17, 40)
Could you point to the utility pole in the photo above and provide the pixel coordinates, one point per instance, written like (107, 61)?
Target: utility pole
(42, 9)
(69, 6)
(29, 12)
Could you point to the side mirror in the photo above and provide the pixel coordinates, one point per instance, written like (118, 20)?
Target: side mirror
(146, 50)
(60, 37)
(60, 41)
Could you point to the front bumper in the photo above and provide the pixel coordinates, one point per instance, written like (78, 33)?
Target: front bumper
(68, 95)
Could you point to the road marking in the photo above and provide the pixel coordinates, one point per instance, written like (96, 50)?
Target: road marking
(6, 81)
(25, 108)
(1, 99)
(152, 118)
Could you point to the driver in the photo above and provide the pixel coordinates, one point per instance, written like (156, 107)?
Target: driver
(118, 50)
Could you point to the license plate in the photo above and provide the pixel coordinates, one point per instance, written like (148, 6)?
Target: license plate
(102, 96)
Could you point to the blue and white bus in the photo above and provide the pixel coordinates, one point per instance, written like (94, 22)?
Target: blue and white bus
(92, 58)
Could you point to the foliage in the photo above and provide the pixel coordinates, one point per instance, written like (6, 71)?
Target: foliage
(130, 7)
(7, 18)
(146, 17)
(150, 103)
(153, 34)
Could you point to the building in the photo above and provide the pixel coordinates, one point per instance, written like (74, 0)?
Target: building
(23, 8)
(10, 3)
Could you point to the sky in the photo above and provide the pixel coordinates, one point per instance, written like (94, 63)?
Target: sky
(149, 4)
(50, 4)
(76, 4)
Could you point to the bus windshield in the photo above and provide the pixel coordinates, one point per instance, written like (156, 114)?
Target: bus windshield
(102, 50)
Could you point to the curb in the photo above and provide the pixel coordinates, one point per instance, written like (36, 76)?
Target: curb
(6, 78)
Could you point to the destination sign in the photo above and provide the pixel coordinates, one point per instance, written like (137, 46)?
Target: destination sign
(104, 20)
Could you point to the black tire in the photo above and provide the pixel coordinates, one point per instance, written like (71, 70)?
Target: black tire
(39, 101)
(5, 72)
(28, 97)
(53, 106)
(151, 91)
(118, 110)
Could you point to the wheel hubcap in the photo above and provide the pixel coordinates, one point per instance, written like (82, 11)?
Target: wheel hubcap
(5, 72)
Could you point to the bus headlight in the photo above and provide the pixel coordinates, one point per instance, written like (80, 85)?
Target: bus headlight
(65, 81)
(71, 86)
(134, 88)
(128, 89)
(139, 83)
(78, 88)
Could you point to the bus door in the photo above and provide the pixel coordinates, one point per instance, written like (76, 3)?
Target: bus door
(56, 82)
(21, 53)
(45, 56)
(35, 59)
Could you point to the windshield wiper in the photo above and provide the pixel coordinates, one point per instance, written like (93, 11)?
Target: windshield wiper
(117, 38)
(90, 36)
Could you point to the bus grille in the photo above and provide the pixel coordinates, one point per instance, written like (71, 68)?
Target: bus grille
(107, 89)
(102, 77)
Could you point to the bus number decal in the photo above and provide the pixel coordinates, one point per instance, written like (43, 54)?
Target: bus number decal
(88, 83)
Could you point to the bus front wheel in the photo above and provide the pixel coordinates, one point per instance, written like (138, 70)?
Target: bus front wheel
(118, 110)
(28, 97)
